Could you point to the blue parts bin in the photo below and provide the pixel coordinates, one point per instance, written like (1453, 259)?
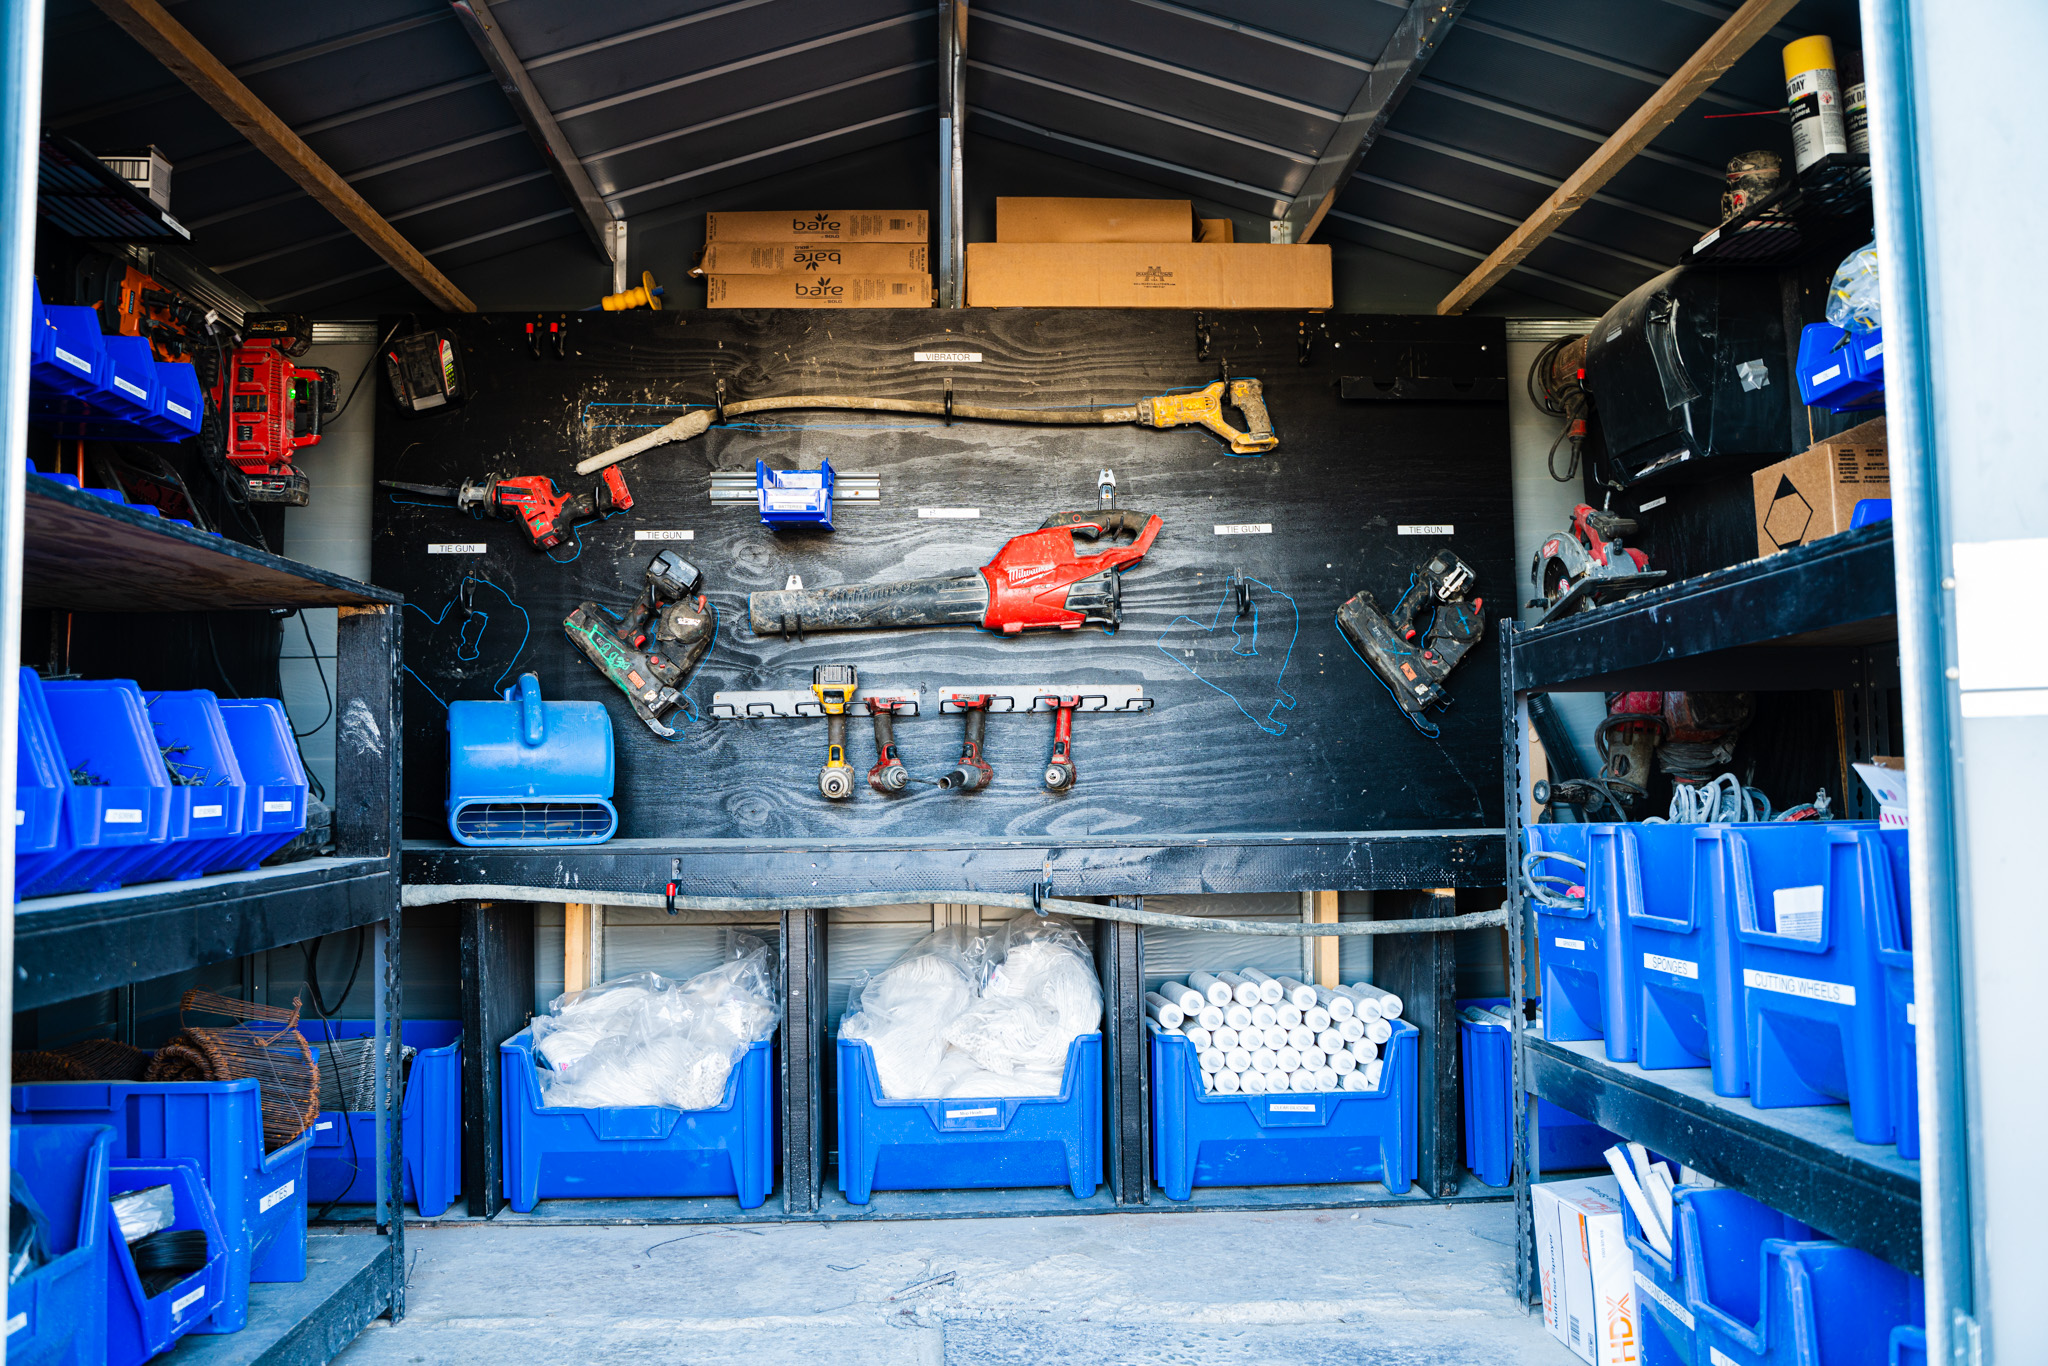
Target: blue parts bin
(1827, 369)
(1572, 941)
(524, 772)
(121, 817)
(1277, 1138)
(207, 791)
(1666, 1328)
(1809, 899)
(259, 1197)
(1869, 512)
(1007, 1141)
(1564, 1141)
(1908, 1346)
(82, 384)
(140, 1325)
(1902, 1025)
(794, 497)
(1763, 1293)
(57, 1313)
(274, 796)
(40, 780)
(342, 1167)
(558, 1152)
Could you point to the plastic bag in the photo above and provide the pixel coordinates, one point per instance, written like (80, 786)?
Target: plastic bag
(903, 1010)
(141, 1213)
(645, 1039)
(1854, 304)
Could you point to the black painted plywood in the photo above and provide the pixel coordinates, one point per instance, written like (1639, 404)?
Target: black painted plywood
(1268, 726)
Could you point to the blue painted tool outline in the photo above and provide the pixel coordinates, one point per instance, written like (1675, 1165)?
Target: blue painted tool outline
(1285, 700)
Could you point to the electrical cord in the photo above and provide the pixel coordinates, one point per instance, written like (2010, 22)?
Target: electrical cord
(320, 1008)
(326, 692)
(1568, 401)
(1538, 886)
(363, 373)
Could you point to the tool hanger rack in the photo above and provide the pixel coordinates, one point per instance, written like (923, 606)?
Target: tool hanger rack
(86, 556)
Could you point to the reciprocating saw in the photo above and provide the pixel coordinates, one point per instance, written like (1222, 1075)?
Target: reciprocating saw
(1414, 661)
(1035, 582)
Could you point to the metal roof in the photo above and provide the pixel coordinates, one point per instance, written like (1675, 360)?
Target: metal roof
(670, 102)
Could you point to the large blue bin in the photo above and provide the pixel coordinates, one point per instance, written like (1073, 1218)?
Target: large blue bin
(102, 729)
(1008, 1141)
(1828, 372)
(57, 1314)
(343, 1164)
(1809, 899)
(207, 792)
(1909, 1346)
(1564, 1141)
(1763, 1294)
(1895, 956)
(1666, 1329)
(1571, 941)
(1281, 1138)
(69, 364)
(259, 1197)
(274, 800)
(560, 1152)
(140, 1325)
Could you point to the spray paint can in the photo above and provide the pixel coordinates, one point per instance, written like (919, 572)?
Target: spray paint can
(1855, 104)
(1814, 92)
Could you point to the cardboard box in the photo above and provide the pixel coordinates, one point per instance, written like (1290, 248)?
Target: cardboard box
(1586, 1270)
(807, 290)
(819, 225)
(1215, 230)
(1814, 494)
(1094, 220)
(791, 258)
(1885, 776)
(1147, 275)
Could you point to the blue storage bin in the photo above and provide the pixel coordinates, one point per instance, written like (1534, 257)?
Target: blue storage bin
(1010, 1141)
(181, 404)
(523, 771)
(69, 364)
(57, 1314)
(1827, 378)
(1809, 898)
(1908, 1346)
(1281, 1139)
(430, 1123)
(274, 799)
(132, 395)
(1666, 1329)
(207, 811)
(102, 728)
(559, 1152)
(1866, 356)
(40, 781)
(1895, 956)
(1564, 1141)
(1869, 512)
(1571, 941)
(1763, 1294)
(259, 1197)
(140, 1325)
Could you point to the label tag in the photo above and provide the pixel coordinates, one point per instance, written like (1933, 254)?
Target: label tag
(20, 816)
(1292, 1109)
(1653, 503)
(187, 1300)
(792, 500)
(283, 1192)
(1834, 992)
(123, 815)
(1426, 529)
(126, 387)
(1244, 528)
(68, 359)
(324, 1124)
(1720, 1358)
(180, 409)
(1671, 1306)
(1578, 944)
(1832, 372)
(1873, 352)
(1677, 967)
(273, 808)
(1912, 1015)
(948, 514)
(974, 1114)
(455, 547)
(946, 357)
(1798, 911)
(19, 1321)
(664, 535)
(202, 812)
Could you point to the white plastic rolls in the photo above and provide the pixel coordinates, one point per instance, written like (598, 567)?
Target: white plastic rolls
(1379, 1031)
(1264, 1015)
(1223, 1036)
(1263, 1060)
(1218, 993)
(1316, 1018)
(1388, 1002)
(1331, 1041)
(1299, 1038)
(1226, 1083)
(1166, 1012)
(1312, 1039)
(1274, 1037)
(1351, 1027)
(1244, 992)
(1300, 995)
(1337, 1002)
(1286, 1015)
(1271, 991)
(1209, 1017)
(1238, 1017)
(1199, 1037)
(1239, 1060)
(1344, 1062)
(1186, 997)
(1287, 1060)
(1212, 1060)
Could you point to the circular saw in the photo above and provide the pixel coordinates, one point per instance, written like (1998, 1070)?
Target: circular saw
(1588, 565)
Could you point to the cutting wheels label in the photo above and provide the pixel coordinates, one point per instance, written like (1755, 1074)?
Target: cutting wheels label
(1837, 993)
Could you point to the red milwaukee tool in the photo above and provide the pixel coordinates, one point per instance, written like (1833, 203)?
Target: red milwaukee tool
(271, 409)
(543, 512)
(1059, 770)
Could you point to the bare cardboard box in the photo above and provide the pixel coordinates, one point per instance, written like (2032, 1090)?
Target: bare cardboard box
(1094, 220)
(819, 225)
(807, 290)
(1147, 275)
(789, 258)
(1814, 494)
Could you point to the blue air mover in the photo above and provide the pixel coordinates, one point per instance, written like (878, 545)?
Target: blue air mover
(524, 771)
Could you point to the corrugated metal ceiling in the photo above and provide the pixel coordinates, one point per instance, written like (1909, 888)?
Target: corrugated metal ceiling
(669, 101)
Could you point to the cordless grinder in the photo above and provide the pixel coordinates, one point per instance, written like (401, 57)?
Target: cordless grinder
(650, 651)
(1413, 661)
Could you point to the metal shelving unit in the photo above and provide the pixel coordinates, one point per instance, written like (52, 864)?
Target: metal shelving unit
(1821, 616)
(84, 554)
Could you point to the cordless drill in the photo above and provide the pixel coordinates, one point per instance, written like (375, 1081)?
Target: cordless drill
(834, 685)
(542, 511)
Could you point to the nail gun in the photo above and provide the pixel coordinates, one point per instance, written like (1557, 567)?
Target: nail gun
(1412, 661)
(543, 512)
(650, 651)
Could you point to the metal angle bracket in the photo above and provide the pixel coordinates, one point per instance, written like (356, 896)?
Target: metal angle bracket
(738, 488)
(801, 704)
(1093, 698)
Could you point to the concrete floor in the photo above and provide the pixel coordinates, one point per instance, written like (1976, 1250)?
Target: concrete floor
(1419, 1287)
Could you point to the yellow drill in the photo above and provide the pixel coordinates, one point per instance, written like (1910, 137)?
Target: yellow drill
(834, 685)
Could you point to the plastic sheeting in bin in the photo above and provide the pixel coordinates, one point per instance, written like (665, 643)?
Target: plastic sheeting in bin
(557, 1152)
(1809, 898)
(1572, 942)
(274, 801)
(57, 1313)
(118, 818)
(259, 1197)
(1666, 1328)
(140, 1325)
(207, 792)
(1564, 1141)
(1281, 1138)
(343, 1163)
(966, 1142)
